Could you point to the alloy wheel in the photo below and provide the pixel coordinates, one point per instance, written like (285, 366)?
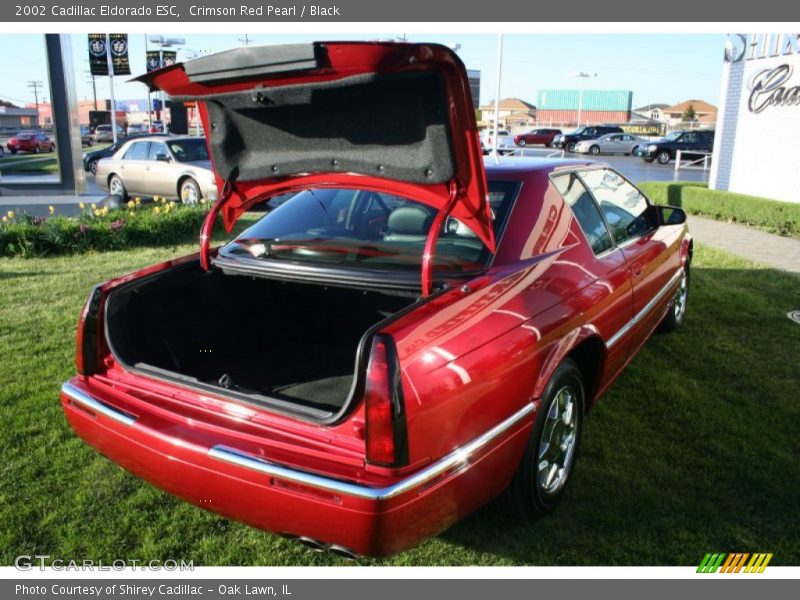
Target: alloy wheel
(679, 302)
(557, 445)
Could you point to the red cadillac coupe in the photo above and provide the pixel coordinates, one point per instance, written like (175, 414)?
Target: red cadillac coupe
(404, 336)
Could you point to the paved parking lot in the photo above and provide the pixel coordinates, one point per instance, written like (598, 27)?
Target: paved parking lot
(631, 167)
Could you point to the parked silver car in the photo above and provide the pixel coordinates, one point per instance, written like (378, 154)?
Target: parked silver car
(174, 167)
(610, 143)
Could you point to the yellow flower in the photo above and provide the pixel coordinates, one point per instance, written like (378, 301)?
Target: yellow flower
(5, 219)
(94, 206)
(138, 201)
(131, 204)
(105, 210)
(82, 205)
(173, 204)
(11, 214)
(131, 213)
(52, 209)
(97, 212)
(156, 210)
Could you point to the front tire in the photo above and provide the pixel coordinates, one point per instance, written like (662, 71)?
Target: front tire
(677, 309)
(521, 143)
(117, 188)
(648, 159)
(93, 167)
(546, 466)
(594, 150)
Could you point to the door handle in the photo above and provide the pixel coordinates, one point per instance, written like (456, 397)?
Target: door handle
(636, 269)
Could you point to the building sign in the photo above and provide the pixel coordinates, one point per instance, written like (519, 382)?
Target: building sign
(98, 58)
(758, 127)
(645, 128)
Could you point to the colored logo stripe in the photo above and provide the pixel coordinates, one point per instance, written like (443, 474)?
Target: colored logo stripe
(734, 562)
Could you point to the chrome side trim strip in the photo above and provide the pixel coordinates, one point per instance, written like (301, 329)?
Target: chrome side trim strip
(646, 309)
(456, 459)
(84, 399)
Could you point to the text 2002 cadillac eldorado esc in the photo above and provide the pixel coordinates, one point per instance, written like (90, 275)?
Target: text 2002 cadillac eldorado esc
(406, 337)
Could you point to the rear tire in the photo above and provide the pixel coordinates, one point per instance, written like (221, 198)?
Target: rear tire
(549, 459)
(648, 159)
(570, 147)
(521, 143)
(93, 167)
(189, 192)
(36, 149)
(663, 157)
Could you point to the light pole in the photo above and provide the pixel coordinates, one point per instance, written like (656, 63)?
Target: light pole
(189, 54)
(164, 42)
(581, 76)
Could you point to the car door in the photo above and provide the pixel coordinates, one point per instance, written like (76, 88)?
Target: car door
(628, 143)
(132, 168)
(614, 308)
(161, 177)
(612, 143)
(650, 251)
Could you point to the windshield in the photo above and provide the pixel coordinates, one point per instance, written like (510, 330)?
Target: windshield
(577, 131)
(357, 229)
(673, 136)
(189, 150)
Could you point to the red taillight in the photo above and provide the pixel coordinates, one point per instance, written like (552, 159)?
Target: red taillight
(88, 340)
(384, 410)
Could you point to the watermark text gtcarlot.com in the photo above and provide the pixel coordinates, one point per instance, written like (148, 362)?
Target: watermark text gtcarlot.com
(26, 562)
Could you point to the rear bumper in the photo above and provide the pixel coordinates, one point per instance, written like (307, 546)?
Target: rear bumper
(364, 519)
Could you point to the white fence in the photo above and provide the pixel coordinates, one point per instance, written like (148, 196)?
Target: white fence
(705, 159)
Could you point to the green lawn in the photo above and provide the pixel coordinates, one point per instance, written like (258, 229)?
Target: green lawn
(695, 449)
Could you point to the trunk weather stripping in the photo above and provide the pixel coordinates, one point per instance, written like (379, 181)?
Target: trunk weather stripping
(207, 230)
(456, 191)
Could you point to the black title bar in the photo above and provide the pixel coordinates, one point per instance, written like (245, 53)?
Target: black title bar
(470, 11)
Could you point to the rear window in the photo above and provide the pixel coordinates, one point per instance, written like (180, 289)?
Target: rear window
(357, 229)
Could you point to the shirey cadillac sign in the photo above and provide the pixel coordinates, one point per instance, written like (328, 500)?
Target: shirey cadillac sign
(758, 124)
(774, 85)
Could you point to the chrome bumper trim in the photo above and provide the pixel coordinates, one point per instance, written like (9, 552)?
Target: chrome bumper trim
(646, 309)
(87, 401)
(454, 460)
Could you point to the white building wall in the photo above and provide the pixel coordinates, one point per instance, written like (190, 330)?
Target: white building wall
(758, 153)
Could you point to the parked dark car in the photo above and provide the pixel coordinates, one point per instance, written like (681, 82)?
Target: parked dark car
(537, 136)
(30, 142)
(567, 141)
(665, 149)
(90, 158)
(407, 337)
(87, 138)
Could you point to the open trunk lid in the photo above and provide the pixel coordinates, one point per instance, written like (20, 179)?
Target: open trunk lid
(391, 117)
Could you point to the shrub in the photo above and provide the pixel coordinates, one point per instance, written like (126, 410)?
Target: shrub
(774, 216)
(100, 230)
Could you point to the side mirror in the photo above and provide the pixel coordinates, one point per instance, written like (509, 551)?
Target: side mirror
(670, 215)
(163, 157)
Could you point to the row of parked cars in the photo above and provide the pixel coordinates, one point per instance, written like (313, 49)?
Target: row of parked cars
(602, 139)
(32, 142)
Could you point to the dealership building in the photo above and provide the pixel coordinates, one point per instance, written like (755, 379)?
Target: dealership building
(757, 144)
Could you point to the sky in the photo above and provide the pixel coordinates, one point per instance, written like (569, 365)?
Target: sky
(665, 68)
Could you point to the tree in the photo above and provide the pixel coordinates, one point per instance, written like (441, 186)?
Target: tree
(689, 115)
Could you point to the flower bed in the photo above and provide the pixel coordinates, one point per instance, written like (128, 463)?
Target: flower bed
(100, 229)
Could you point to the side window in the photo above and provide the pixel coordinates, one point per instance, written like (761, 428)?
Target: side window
(623, 206)
(689, 138)
(585, 210)
(157, 148)
(137, 151)
(591, 132)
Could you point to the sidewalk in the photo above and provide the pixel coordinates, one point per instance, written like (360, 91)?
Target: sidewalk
(768, 249)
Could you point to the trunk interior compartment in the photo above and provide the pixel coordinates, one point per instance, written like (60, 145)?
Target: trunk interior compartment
(291, 345)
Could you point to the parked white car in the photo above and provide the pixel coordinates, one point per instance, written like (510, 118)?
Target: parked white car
(610, 143)
(505, 141)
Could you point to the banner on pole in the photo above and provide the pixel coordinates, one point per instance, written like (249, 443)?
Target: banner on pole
(119, 53)
(153, 59)
(98, 61)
